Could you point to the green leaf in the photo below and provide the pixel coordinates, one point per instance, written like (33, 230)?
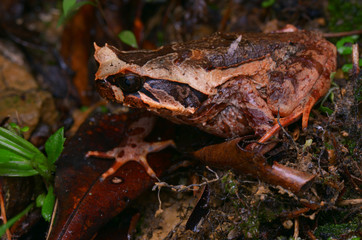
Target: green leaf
(14, 219)
(17, 172)
(40, 200)
(15, 143)
(345, 50)
(267, 3)
(13, 147)
(14, 165)
(7, 156)
(23, 155)
(14, 126)
(48, 205)
(54, 145)
(82, 3)
(128, 38)
(348, 67)
(24, 129)
(68, 5)
(325, 110)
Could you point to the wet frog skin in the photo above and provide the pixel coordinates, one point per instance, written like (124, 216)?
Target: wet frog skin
(228, 84)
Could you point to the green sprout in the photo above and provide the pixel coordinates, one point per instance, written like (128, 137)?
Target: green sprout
(20, 158)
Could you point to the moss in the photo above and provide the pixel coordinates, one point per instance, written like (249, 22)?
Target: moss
(336, 230)
(230, 184)
(250, 226)
(340, 21)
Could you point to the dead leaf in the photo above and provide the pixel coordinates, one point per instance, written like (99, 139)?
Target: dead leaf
(85, 202)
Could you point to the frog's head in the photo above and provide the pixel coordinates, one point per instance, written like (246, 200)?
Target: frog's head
(134, 79)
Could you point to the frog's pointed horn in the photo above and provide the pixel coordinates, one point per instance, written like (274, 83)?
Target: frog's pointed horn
(96, 47)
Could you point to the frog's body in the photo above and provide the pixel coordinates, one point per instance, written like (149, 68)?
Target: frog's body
(227, 84)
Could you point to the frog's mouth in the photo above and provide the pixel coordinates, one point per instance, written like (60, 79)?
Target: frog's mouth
(153, 94)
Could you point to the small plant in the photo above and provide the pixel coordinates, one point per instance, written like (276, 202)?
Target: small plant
(20, 158)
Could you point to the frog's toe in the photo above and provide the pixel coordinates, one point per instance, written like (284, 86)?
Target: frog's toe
(100, 154)
(120, 161)
(306, 111)
(143, 161)
(117, 164)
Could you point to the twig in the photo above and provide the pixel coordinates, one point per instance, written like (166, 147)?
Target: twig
(183, 188)
(3, 212)
(295, 213)
(286, 133)
(159, 210)
(311, 235)
(296, 229)
(355, 59)
(350, 202)
(342, 34)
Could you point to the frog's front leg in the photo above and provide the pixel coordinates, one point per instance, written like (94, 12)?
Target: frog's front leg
(256, 110)
(131, 152)
(133, 148)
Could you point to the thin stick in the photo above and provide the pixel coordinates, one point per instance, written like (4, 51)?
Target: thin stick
(311, 235)
(296, 229)
(286, 133)
(355, 59)
(183, 188)
(342, 34)
(350, 202)
(3, 212)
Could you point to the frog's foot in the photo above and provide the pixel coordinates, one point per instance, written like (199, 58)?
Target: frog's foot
(294, 116)
(283, 122)
(130, 152)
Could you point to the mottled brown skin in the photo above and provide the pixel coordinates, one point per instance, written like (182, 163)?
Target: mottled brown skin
(228, 84)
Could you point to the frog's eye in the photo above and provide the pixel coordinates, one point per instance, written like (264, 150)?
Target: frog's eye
(129, 83)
